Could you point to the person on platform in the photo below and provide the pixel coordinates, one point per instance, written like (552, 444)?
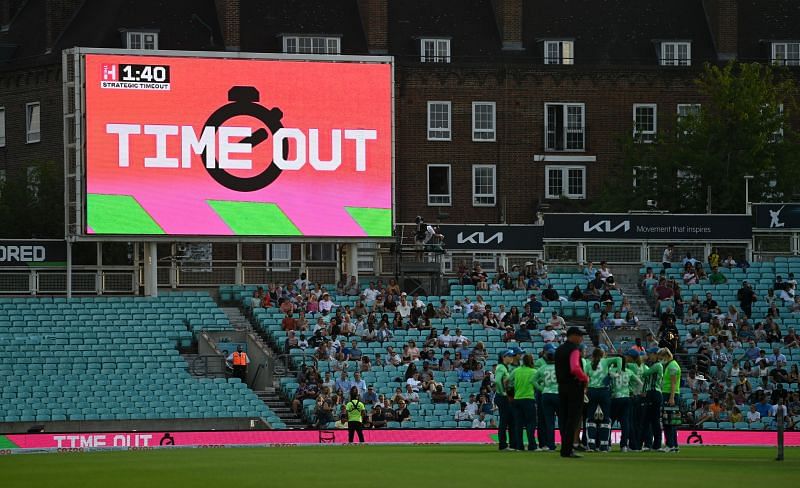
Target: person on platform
(572, 382)
(239, 359)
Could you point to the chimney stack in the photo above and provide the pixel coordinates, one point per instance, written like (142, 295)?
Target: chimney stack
(228, 12)
(375, 21)
(723, 21)
(508, 15)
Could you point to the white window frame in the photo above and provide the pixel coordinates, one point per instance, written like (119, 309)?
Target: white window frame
(566, 52)
(493, 194)
(449, 194)
(332, 44)
(650, 174)
(565, 106)
(2, 126)
(564, 182)
(31, 135)
(777, 136)
(674, 59)
(691, 109)
(784, 46)
(482, 131)
(448, 129)
(440, 48)
(648, 136)
(33, 180)
(141, 38)
(367, 252)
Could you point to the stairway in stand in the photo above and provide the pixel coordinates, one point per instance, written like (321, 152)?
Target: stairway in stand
(630, 283)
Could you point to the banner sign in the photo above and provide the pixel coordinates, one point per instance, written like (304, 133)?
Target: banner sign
(33, 253)
(777, 216)
(192, 146)
(68, 442)
(661, 227)
(492, 237)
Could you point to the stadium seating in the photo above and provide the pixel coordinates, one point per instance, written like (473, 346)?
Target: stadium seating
(112, 358)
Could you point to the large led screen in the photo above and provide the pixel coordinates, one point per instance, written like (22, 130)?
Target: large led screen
(237, 147)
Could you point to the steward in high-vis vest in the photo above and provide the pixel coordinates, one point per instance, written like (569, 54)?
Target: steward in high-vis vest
(239, 360)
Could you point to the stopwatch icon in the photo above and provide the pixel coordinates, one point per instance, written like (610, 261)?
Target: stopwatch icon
(244, 102)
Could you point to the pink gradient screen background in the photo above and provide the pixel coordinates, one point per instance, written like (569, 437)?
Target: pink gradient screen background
(311, 94)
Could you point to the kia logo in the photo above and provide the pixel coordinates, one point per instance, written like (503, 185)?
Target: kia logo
(479, 238)
(605, 226)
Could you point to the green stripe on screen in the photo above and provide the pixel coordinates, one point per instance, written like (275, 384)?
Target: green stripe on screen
(254, 219)
(6, 444)
(376, 222)
(119, 214)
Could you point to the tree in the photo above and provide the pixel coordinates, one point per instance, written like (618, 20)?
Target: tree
(742, 128)
(32, 203)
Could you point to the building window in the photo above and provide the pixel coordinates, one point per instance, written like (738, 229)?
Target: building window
(366, 256)
(33, 128)
(565, 182)
(34, 180)
(688, 110)
(141, 40)
(786, 53)
(439, 185)
(484, 186)
(644, 177)
(322, 252)
(434, 50)
(438, 121)
(311, 45)
(644, 122)
(676, 54)
(564, 127)
(777, 136)
(483, 121)
(2, 126)
(559, 52)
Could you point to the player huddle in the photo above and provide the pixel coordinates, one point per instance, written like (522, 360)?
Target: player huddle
(638, 390)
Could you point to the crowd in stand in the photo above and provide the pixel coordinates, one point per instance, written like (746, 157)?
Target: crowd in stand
(726, 384)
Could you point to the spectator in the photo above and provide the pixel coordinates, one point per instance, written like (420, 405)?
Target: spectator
(746, 298)
(289, 322)
(479, 422)
(753, 415)
(535, 305)
(550, 294)
(522, 334)
(439, 395)
(548, 334)
(402, 414)
(666, 258)
(463, 415)
(410, 396)
(454, 397)
(377, 417)
(446, 364)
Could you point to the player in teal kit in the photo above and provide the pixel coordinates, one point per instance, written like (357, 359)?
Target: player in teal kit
(653, 379)
(598, 423)
(547, 384)
(622, 384)
(636, 365)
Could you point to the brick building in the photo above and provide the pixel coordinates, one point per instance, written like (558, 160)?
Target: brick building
(501, 105)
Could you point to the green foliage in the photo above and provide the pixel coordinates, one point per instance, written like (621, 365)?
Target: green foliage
(33, 205)
(701, 160)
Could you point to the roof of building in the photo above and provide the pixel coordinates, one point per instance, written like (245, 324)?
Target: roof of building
(761, 21)
(264, 23)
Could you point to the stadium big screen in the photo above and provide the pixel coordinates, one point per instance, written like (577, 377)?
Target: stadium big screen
(195, 146)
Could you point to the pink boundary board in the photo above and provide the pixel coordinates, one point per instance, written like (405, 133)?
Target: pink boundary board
(133, 440)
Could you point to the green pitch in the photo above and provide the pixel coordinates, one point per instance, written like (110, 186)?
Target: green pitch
(370, 466)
